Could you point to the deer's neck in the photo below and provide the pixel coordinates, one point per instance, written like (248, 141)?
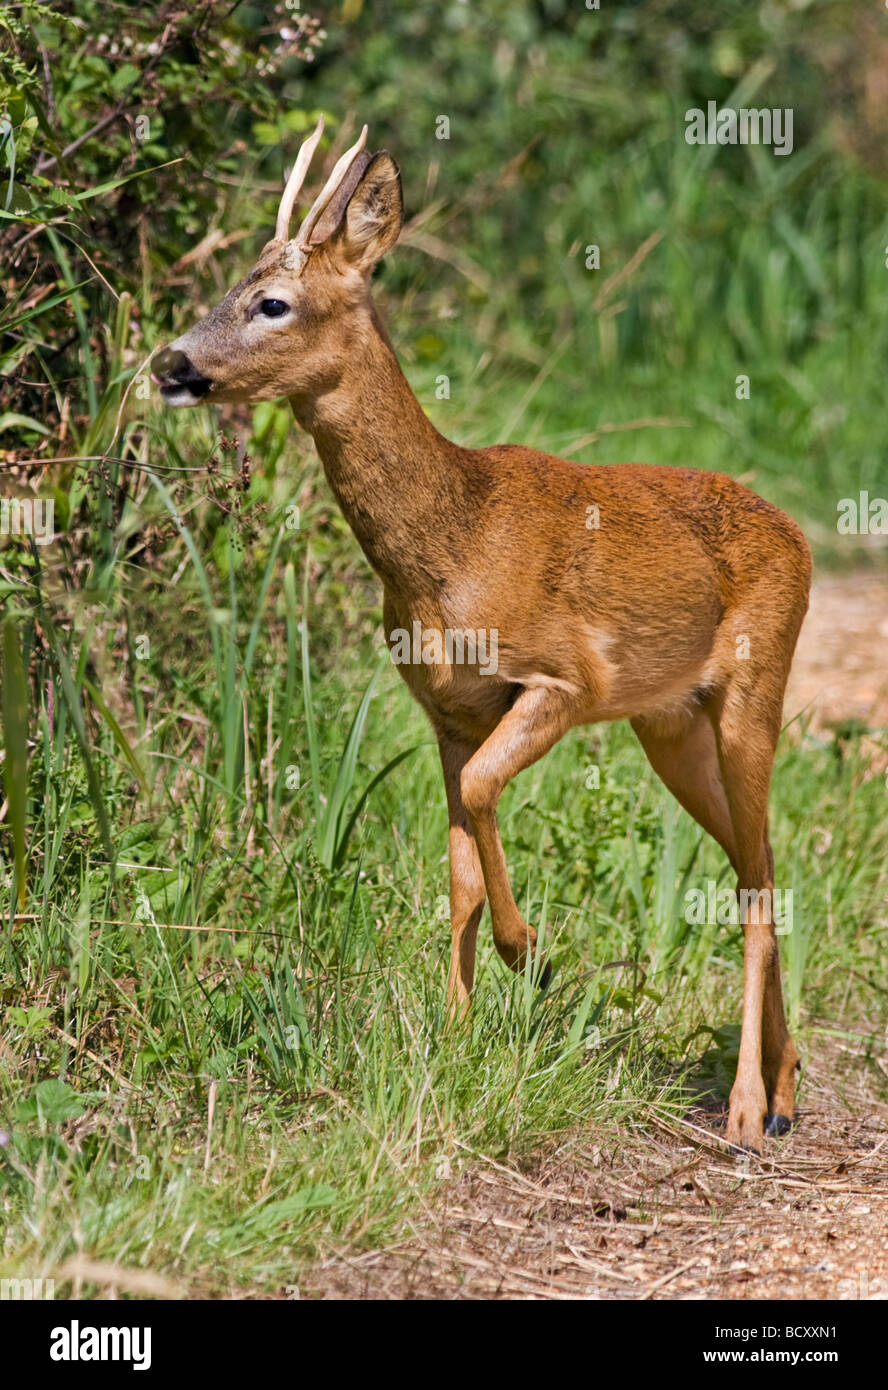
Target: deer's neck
(401, 485)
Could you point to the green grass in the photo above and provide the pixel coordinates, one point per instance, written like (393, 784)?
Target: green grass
(302, 1005)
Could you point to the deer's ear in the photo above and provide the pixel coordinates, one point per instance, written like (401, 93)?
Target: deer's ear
(374, 214)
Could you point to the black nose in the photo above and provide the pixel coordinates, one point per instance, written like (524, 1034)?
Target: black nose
(172, 370)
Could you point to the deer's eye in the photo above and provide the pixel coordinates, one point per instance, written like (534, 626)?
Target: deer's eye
(273, 308)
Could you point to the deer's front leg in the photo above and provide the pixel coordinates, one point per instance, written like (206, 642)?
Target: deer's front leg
(534, 723)
(467, 893)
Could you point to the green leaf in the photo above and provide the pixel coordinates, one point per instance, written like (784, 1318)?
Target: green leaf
(50, 1103)
(345, 835)
(266, 133)
(272, 1215)
(25, 422)
(33, 1020)
(345, 776)
(123, 78)
(42, 307)
(118, 183)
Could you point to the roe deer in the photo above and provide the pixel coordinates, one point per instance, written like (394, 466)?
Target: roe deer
(679, 611)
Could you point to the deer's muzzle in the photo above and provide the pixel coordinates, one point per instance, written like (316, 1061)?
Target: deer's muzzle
(179, 380)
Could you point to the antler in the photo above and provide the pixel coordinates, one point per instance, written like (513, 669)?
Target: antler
(296, 180)
(325, 197)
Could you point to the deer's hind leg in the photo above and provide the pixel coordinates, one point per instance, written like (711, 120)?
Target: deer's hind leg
(747, 724)
(706, 774)
(684, 755)
(780, 1058)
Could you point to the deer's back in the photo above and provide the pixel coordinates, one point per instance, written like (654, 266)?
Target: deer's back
(633, 533)
(625, 582)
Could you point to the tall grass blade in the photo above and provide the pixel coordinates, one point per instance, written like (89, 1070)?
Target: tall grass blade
(15, 748)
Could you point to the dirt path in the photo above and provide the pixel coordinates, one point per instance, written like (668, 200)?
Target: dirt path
(667, 1212)
(840, 670)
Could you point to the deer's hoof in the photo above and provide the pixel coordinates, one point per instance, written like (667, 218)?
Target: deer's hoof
(778, 1125)
(741, 1150)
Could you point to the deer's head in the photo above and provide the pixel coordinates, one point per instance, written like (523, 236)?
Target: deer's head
(289, 325)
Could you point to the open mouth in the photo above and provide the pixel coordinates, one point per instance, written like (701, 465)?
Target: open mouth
(182, 392)
(176, 394)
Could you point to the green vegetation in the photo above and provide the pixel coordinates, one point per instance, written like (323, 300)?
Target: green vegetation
(223, 851)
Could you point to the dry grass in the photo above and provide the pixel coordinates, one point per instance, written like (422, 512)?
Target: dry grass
(666, 1214)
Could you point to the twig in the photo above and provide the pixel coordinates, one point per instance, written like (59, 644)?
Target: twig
(72, 1042)
(666, 1279)
(655, 422)
(615, 280)
(593, 1268)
